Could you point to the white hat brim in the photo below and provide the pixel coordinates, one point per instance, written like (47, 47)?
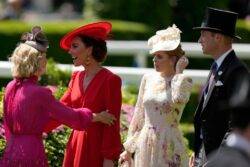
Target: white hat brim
(165, 46)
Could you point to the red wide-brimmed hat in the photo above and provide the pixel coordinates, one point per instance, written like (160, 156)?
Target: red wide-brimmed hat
(97, 30)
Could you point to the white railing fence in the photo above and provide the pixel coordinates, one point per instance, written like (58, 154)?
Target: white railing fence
(128, 74)
(140, 50)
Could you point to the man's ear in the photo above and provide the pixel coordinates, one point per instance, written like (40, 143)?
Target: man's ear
(219, 37)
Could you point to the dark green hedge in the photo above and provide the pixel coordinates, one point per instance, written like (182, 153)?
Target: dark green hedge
(155, 13)
(243, 30)
(10, 32)
(158, 13)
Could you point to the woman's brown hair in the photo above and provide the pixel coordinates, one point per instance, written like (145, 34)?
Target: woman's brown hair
(99, 51)
(176, 53)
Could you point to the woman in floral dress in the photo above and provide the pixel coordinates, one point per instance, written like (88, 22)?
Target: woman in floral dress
(154, 135)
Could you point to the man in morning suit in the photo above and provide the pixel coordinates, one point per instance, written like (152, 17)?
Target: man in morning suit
(236, 149)
(217, 33)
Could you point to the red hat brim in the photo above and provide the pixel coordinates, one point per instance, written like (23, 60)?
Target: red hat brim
(98, 30)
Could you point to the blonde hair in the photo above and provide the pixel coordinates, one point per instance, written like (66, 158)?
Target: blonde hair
(25, 61)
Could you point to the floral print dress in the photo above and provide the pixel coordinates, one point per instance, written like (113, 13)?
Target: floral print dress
(154, 135)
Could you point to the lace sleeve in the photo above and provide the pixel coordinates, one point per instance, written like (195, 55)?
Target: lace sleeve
(137, 121)
(181, 88)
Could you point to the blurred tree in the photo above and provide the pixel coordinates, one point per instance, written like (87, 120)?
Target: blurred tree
(77, 4)
(189, 13)
(240, 6)
(89, 9)
(156, 13)
(160, 13)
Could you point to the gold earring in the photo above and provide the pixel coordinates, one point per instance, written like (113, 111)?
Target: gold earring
(87, 61)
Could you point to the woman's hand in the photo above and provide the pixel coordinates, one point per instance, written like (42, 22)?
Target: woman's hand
(181, 64)
(104, 117)
(125, 156)
(191, 161)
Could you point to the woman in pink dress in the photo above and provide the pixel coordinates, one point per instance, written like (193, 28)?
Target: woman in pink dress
(29, 108)
(96, 88)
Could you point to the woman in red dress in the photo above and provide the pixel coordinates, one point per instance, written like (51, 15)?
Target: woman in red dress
(96, 88)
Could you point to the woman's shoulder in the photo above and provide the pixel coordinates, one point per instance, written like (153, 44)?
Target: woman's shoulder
(10, 84)
(76, 73)
(110, 75)
(33, 91)
(41, 91)
(150, 75)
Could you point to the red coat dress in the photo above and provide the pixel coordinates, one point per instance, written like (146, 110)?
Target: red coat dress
(88, 148)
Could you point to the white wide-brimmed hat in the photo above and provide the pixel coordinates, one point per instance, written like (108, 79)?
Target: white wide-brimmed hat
(165, 40)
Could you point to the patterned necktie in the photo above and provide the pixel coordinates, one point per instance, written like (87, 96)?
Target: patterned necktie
(213, 73)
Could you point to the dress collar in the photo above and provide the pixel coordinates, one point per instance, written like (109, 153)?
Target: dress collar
(31, 78)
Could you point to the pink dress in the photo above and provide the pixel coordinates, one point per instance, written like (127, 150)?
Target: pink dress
(28, 111)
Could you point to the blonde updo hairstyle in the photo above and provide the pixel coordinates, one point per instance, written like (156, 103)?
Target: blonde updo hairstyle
(25, 61)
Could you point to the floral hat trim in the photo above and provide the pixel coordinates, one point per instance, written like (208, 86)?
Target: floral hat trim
(36, 39)
(165, 40)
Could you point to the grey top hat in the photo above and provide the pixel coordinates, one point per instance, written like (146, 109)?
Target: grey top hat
(221, 21)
